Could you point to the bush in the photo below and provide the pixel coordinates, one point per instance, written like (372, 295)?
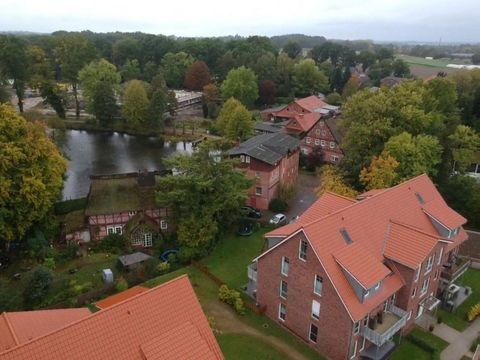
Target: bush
(113, 243)
(231, 297)
(473, 312)
(277, 205)
(121, 284)
(67, 253)
(49, 263)
(38, 287)
(163, 267)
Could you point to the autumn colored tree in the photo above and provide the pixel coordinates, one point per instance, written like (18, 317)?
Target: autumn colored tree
(381, 173)
(197, 76)
(332, 180)
(235, 121)
(31, 174)
(267, 91)
(135, 103)
(241, 83)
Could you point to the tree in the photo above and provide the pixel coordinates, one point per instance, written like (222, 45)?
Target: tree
(467, 83)
(292, 49)
(96, 72)
(381, 173)
(197, 76)
(205, 198)
(175, 66)
(415, 154)
(334, 99)
(241, 83)
(331, 180)
(104, 103)
(476, 59)
(130, 70)
(31, 174)
(172, 103)
(210, 99)
(235, 121)
(55, 96)
(462, 193)
(135, 103)
(308, 79)
(158, 106)
(283, 79)
(125, 49)
(266, 91)
(13, 63)
(38, 287)
(351, 87)
(465, 147)
(265, 68)
(72, 53)
(400, 68)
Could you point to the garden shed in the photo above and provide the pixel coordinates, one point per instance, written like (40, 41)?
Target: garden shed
(132, 260)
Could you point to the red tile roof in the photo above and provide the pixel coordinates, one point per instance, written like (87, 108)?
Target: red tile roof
(124, 295)
(369, 223)
(303, 122)
(440, 211)
(130, 329)
(311, 103)
(19, 327)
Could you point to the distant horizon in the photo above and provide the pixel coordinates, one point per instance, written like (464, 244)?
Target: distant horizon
(424, 21)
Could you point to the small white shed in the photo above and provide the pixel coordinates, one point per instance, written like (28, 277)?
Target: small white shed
(107, 276)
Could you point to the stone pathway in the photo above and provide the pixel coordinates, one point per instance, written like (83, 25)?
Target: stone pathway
(460, 342)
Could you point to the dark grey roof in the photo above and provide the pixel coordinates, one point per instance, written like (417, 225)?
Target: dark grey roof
(266, 127)
(269, 148)
(275, 109)
(332, 125)
(134, 258)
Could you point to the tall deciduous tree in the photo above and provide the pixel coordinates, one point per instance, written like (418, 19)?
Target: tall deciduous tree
(241, 83)
(103, 102)
(292, 49)
(308, 79)
(267, 91)
(31, 174)
(14, 64)
(197, 76)
(72, 53)
(205, 197)
(235, 121)
(158, 101)
(95, 73)
(135, 103)
(175, 66)
(381, 173)
(130, 70)
(332, 180)
(465, 147)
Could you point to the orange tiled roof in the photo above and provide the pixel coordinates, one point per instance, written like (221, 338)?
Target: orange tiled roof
(303, 122)
(19, 327)
(124, 295)
(130, 329)
(368, 223)
(311, 103)
(439, 210)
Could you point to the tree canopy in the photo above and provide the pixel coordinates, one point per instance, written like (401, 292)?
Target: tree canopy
(197, 76)
(235, 121)
(135, 103)
(241, 83)
(31, 174)
(332, 180)
(308, 79)
(175, 66)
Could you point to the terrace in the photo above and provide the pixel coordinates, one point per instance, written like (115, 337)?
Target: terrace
(392, 321)
(453, 270)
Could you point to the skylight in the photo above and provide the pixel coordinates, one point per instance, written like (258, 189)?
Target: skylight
(346, 236)
(420, 198)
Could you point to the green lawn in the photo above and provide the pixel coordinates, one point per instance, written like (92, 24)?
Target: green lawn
(240, 347)
(440, 63)
(409, 350)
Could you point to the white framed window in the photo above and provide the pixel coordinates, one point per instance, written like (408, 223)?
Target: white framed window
(114, 229)
(353, 349)
(137, 239)
(367, 294)
(110, 230)
(302, 250)
(365, 321)
(258, 190)
(429, 266)
(247, 159)
(321, 123)
(377, 286)
(363, 345)
(318, 285)
(440, 256)
(332, 144)
(317, 142)
(242, 158)
(409, 315)
(132, 213)
(282, 312)
(317, 131)
(436, 275)
(285, 264)
(313, 333)
(257, 174)
(417, 273)
(356, 327)
(315, 309)
(333, 158)
(147, 240)
(424, 287)
(414, 292)
(308, 140)
(323, 143)
(163, 224)
(283, 289)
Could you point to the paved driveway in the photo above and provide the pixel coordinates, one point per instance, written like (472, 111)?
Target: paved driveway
(304, 195)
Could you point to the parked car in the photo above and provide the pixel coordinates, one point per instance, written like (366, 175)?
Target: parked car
(250, 212)
(278, 219)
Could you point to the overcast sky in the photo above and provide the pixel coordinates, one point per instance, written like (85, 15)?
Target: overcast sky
(420, 20)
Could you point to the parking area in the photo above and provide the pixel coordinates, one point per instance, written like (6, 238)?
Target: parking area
(304, 195)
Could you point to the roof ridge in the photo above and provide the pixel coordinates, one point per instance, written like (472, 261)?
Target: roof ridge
(413, 228)
(340, 196)
(98, 313)
(10, 327)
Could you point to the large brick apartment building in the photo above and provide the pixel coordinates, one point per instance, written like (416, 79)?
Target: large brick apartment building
(272, 160)
(349, 274)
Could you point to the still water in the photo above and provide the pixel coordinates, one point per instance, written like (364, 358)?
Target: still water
(99, 153)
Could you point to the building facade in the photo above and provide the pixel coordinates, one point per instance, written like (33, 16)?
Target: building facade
(272, 161)
(349, 274)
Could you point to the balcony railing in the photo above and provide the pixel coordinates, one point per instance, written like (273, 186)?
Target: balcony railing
(252, 272)
(452, 271)
(393, 320)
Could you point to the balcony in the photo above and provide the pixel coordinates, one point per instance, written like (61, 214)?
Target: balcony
(454, 269)
(252, 271)
(393, 320)
(251, 288)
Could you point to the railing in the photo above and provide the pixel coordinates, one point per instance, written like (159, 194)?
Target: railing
(380, 339)
(252, 272)
(455, 271)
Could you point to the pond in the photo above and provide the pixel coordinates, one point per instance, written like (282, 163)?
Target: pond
(101, 153)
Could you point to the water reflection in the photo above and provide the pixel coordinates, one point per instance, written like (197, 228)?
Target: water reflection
(97, 153)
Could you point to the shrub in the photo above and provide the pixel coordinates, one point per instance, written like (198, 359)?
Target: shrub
(185, 254)
(163, 267)
(49, 263)
(474, 345)
(277, 205)
(68, 253)
(231, 297)
(121, 284)
(473, 312)
(38, 287)
(113, 243)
